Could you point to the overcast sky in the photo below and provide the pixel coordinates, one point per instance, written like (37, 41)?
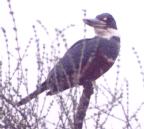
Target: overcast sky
(129, 15)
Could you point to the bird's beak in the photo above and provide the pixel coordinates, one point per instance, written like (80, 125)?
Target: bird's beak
(95, 23)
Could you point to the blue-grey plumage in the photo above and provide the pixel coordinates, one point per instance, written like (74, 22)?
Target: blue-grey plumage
(85, 61)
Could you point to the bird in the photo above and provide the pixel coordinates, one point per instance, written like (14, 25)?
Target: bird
(85, 61)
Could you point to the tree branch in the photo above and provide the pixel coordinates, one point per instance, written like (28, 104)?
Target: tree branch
(83, 105)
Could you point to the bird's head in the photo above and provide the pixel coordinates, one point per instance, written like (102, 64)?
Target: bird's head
(104, 25)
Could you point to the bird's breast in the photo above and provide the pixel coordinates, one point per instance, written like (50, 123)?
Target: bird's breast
(101, 59)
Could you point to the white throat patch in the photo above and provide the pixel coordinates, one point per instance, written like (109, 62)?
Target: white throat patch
(106, 33)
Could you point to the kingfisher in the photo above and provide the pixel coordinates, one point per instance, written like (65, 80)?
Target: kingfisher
(85, 61)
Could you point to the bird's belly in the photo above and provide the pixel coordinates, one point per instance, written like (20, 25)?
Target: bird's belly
(96, 69)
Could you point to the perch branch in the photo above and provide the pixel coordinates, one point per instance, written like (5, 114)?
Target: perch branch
(83, 105)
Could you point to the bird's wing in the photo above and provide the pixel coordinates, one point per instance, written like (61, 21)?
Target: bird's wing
(67, 72)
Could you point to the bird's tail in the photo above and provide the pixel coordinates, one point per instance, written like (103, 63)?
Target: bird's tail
(34, 94)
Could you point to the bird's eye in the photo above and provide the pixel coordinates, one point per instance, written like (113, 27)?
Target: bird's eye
(105, 19)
